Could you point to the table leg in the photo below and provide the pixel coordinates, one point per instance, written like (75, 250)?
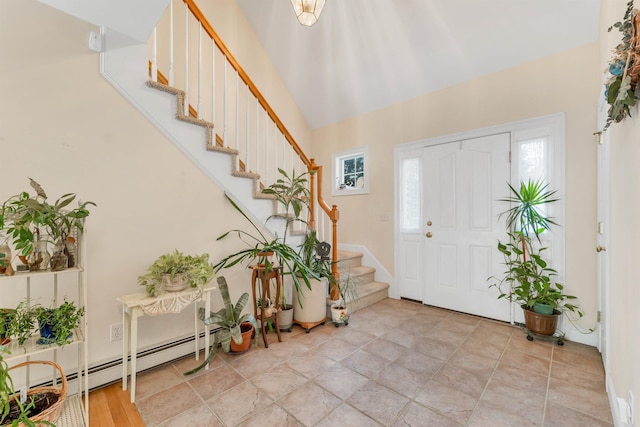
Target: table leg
(207, 328)
(197, 329)
(126, 325)
(135, 313)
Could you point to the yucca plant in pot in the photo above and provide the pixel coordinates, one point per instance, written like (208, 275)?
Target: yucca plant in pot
(528, 280)
(234, 328)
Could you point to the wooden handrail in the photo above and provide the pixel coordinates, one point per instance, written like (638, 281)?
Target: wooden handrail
(331, 212)
(245, 78)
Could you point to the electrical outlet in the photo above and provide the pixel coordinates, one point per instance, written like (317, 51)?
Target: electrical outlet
(116, 332)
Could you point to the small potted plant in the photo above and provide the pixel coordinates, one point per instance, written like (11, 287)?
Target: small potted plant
(235, 329)
(6, 314)
(528, 280)
(175, 271)
(341, 309)
(56, 323)
(32, 223)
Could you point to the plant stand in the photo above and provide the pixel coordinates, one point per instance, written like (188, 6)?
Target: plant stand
(558, 336)
(261, 275)
(307, 326)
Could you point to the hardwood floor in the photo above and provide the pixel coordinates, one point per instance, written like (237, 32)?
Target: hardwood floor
(110, 407)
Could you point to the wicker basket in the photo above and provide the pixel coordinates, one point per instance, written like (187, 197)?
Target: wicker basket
(52, 413)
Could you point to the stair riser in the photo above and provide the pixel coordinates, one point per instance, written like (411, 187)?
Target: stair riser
(345, 265)
(362, 278)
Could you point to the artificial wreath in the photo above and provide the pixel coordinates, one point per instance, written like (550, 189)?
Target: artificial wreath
(624, 68)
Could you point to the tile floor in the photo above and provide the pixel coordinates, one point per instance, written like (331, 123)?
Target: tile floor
(397, 363)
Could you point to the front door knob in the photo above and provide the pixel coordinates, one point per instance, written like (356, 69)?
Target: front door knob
(429, 235)
(600, 248)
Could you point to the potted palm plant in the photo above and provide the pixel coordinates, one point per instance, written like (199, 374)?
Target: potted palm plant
(268, 252)
(528, 280)
(175, 271)
(235, 329)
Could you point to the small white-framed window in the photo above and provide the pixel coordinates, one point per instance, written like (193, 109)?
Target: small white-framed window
(350, 172)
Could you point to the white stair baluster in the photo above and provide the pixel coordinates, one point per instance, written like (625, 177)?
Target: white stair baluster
(199, 107)
(154, 57)
(171, 44)
(186, 59)
(213, 84)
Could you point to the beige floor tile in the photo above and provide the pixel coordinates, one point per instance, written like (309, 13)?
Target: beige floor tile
(341, 381)
(346, 415)
(386, 349)
(579, 398)
(560, 416)
(484, 347)
(309, 403)
(579, 355)
(200, 416)
(216, 381)
(447, 400)
(278, 381)
(238, 402)
(400, 336)
(524, 403)
(187, 363)
(419, 416)
(378, 402)
(255, 363)
(487, 415)
(466, 381)
(402, 380)
(579, 377)
(310, 363)
(532, 382)
(163, 405)
(528, 362)
(419, 362)
(435, 348)
(355, 336)
(475, 362)
(156, 380)
(458, 369)
(538, 348)
(336, 349)
(272, 415)
(364, 363)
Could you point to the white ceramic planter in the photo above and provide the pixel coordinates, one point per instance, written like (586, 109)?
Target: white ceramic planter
(312, 306)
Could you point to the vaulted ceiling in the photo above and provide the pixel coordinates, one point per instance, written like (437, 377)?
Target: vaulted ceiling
(363, 55)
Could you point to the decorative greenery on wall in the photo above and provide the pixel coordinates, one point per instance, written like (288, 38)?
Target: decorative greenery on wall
(624, 68)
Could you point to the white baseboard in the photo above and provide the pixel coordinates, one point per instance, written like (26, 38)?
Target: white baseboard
(110, 371)
(613, 403)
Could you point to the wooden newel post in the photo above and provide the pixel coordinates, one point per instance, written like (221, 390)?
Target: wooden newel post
(312, 190)
(335, 216)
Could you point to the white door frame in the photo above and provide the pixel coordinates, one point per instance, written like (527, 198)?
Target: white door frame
(602, 236)
(554, 122)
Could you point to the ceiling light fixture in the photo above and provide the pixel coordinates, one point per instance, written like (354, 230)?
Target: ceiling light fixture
(307, 11)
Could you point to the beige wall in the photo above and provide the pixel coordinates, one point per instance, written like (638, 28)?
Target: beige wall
(62, 124)
(566, 82)
(624, 197)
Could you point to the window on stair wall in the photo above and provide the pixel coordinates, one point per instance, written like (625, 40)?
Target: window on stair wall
(350, 172)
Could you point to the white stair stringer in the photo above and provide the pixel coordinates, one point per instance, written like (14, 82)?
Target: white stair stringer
(123, 65)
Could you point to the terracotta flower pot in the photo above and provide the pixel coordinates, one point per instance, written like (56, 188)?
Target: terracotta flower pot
(248, 331)
(541, 324)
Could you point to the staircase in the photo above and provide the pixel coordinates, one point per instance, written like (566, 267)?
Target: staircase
(213, 112)
(368, 290)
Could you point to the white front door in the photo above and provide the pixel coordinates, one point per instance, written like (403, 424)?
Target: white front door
(462, 184)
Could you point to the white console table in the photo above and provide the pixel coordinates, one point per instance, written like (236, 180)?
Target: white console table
(136, 305)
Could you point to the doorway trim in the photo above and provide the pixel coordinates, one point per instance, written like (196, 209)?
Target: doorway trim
(556, 125)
